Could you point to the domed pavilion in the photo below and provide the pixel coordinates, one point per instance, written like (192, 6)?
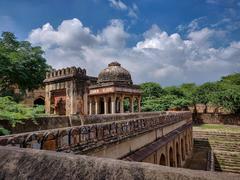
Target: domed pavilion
(113, 87)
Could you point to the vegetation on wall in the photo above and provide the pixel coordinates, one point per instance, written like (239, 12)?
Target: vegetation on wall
(224, 93)
(16, 113)
(22, 67)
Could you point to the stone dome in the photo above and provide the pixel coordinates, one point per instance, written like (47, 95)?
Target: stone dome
(115, 73)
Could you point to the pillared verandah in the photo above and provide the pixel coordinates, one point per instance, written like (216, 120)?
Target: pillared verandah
(72, 91)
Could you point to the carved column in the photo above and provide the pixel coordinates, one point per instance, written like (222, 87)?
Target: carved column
(90, 106)
(139, 104)
(122, 104)
(105, 105)
(113, 101)
(96, 105)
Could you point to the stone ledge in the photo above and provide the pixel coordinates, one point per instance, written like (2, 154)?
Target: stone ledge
(19, 163)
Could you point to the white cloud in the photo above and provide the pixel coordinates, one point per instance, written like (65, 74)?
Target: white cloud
(114, 34)
(118, 4)
(204, 36)
(159, 56)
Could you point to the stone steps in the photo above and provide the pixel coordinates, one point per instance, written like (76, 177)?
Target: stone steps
(226, 148)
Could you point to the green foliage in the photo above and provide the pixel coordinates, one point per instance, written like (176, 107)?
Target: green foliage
(16, 113)
(205, 92)
(224, 93)
(180, 103)
(151, 90)
(228, 98)
(173, 90)
(21, 65)
(4, 131)
(232, 79)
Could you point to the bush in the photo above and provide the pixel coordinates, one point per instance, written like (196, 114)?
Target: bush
(16, 113)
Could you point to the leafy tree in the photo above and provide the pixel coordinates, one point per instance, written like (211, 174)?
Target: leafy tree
(21, 65)
(180, 103)
(151, 90)
(232, 79)
(205, 92)
(188, 89)
(173, 90)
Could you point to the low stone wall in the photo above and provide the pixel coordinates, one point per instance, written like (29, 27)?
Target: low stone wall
(32, 164)
(87, 136)
(53, 122)
(101, 118)
(42, 123)
(216, 118)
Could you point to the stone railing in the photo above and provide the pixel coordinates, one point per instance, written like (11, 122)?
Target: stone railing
(55, 122)
(94, 135)
(33, 164)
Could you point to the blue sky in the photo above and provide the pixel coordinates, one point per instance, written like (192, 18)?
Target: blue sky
(167, 41)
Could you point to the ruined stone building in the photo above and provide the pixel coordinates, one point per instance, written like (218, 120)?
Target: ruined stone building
(72, 91)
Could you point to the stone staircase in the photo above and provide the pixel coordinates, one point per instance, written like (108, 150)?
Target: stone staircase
(225, 147)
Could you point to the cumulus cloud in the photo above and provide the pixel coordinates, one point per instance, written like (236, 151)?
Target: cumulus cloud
(166, 58)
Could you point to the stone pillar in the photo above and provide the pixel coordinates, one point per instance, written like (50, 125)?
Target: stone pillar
(113, 104)
(105, 105)
(47, 99)
(85, 102)
(122, 104)
(90, 106)
(96, 105)
(139, 104)
(132, 104)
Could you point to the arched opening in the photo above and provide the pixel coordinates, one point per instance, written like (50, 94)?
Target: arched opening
(135, 104)
(61, 107)
(163, 160)
(109, 105)
(178, 155)
(101, 103)
(171, 157)
(117, 105)
(126, 104)
(182, 150)
(39, 101)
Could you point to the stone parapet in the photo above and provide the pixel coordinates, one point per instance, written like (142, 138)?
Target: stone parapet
(89, 136)
(33, 164)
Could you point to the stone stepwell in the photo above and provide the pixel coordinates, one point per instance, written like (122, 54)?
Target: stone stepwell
(225, 147)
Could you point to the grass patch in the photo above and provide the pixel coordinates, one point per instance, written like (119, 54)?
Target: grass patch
(218, 127)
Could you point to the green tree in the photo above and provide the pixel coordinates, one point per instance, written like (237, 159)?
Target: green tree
(151, 90)
(21, 65)
(205, 92)
(232, 79)
(173, 90)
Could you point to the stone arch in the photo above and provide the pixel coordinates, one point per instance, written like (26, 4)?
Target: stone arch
(182, 150)
(162, 160)
(135, 104)
(171, 157)
(127, 106)
(39, 101)
(178, 160)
